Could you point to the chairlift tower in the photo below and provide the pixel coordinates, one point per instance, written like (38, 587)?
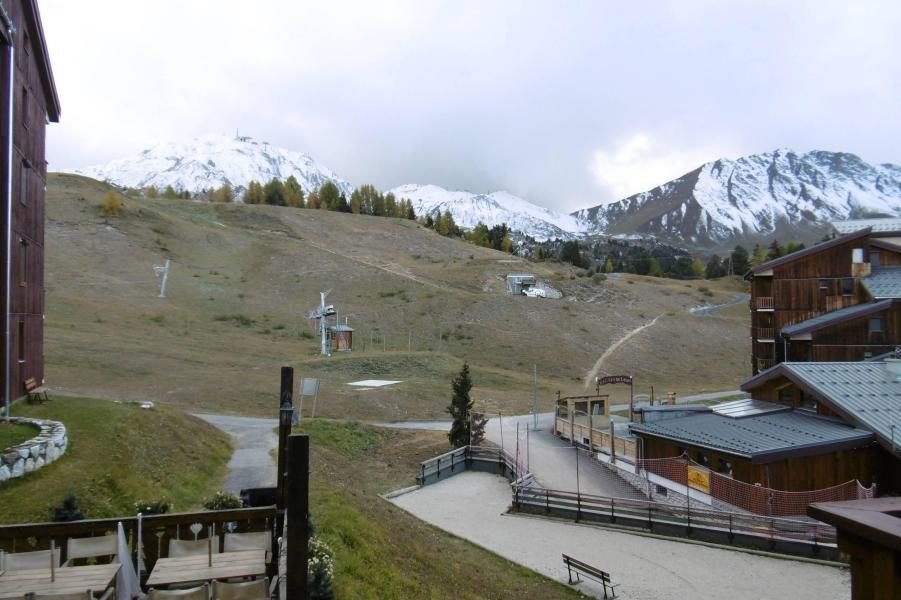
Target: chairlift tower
(162, 270)
(323, 312)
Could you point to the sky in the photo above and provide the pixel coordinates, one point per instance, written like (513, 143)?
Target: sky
(567, 104)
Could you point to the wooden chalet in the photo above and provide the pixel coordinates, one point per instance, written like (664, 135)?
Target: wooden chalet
(763, 443)
(29, 102)
(865, 395)
(839, 300)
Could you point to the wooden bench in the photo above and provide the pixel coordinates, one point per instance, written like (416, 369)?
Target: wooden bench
(36, 393)
(602, 577)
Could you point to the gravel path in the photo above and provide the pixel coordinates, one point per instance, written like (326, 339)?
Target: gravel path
(471, 505)
(251, 465)
(706, 311)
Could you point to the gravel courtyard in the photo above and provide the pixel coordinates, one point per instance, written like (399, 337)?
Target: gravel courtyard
(472, 505)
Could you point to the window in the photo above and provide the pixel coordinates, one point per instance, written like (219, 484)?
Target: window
(809, 402)
(824, 284)
(875, 324)
(703, 459)
(847, 286)
(21, 341)
(725, 467)
(874, 258)
(23, 261)
(26, 179)
(787, 396)
(857, 255)
(24, 107)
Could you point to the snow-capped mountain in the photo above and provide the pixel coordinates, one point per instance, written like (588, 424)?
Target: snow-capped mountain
(468, 209)
(775, 193)
(210, 161)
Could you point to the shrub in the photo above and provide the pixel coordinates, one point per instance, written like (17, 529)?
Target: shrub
(68, 510)
(153, 507)
(241, 320)
(222, 501)
(599, 278)
(320, 570)
(111, 205)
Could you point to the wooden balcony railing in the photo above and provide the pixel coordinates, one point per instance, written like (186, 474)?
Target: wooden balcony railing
(762, 303)
(763, 333)
(764, 363)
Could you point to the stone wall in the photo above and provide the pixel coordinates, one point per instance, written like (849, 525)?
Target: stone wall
(41, 450)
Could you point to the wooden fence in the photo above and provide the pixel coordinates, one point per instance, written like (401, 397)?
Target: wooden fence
(625, 448)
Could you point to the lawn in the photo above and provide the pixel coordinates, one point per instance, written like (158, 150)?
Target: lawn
(384, 552)
(119, 454)
(12, 434)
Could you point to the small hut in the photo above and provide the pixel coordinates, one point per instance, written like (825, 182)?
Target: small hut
(340, 338)
(518, 283)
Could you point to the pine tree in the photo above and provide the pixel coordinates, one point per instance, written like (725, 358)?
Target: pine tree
(714, 268)
(152, 192)
(224, 194)
(356, 201)
(479, 235)
(274, 192)
(329, 196)
(608, 266)
(653, 271)
(313, 199)
(293, 192)
(411, 212)
(111, 205)
(759, 256)
(507, 244)
(343, 206)
(170, 193)
(319, 585)
(571, 253)
(775, 250)
(390, 205)
(697, 267)
(539, 253)
(460, 408)
(740, 261)
(429, 221)
(254, 193)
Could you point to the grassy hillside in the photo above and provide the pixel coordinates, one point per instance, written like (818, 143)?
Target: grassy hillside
(244, 277)
(119, 454)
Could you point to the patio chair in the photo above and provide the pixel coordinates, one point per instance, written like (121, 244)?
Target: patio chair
(40, 559)
(88, 595)
(191, 547)
(91, 547)
(198, 593)
(257, 589)
(257, 540)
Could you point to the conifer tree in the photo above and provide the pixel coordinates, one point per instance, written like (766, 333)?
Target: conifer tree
(697, 267)
(293, 193)
(313, 199)
(740, 261)
(479, 235)
(390, 205)
(254, 193)
(714, 268)
(608, 266)
(410, 212)
(654, 270)
(343, 206)
(152, 192)
(759, 256)
(460, 408)
(274, 192)
(224, 194)
(111, 205)
(775, 250)
(329, 196)
(170, 193)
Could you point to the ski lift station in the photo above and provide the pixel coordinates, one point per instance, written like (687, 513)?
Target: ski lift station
(334, 336)
(517, 284)
(341, 337)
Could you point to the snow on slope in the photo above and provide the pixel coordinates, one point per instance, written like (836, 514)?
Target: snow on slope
(468, 209)
(210, 161)
(756, 195)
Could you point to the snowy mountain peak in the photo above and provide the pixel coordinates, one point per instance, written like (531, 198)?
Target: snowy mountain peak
(210, 161)
(782, 192)
(468, 209)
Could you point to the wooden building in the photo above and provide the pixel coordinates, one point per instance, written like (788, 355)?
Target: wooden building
(763, 443)
(831, 302)
(340, 338)
(866, 395)
(28, 102)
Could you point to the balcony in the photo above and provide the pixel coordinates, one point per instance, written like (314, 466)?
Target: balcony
(763, 363)
(762, 303)
(763, 334)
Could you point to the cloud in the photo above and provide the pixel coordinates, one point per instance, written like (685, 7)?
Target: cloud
(640, 162)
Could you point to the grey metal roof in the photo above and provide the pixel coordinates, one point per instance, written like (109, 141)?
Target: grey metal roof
(747, 407)
(867, 394)
(877, 225)
(836, 316)
(883, 282)
(837, 241)
(762, 438)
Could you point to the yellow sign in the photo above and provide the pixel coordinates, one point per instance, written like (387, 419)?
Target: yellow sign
(699, 479)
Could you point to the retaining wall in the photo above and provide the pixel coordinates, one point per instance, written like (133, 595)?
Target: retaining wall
(49, 444)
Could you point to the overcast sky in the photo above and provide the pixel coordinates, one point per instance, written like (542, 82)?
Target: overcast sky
(567, 104)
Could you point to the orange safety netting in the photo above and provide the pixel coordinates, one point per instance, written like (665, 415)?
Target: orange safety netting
(752, 498)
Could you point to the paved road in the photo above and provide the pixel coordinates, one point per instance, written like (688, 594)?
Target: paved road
(471, 505)
(251, 465)
(706, 311)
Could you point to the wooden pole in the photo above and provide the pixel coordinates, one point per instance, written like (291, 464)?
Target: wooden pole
(284, 430)
(298, 484)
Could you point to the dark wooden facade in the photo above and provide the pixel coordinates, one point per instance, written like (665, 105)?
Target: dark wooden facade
(815, 281)
(798, 474)
(34, 103)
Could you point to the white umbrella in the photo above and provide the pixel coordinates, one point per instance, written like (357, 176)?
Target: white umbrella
(128, 586)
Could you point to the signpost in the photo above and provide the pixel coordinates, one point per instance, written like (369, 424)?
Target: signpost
(612, 379)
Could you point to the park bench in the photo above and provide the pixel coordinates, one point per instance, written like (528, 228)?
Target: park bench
(602, 577)
(36, 393)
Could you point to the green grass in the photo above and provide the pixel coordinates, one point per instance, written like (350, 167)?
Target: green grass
(12, 434)
(384, 552)
(118, 454)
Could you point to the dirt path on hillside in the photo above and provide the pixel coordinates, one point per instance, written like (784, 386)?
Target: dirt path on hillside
(251, 465)
(613, 348)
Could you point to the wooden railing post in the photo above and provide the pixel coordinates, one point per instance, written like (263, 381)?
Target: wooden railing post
(298, 506)
(284, 430)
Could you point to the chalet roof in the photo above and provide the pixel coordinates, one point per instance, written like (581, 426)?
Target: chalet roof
(836, 241)
(836, 316)
(760, 438)
(875, 225)
(883, 282)
(867, 394)
(340, 328)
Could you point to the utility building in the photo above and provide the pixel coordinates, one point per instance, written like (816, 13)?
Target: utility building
(28, 101)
